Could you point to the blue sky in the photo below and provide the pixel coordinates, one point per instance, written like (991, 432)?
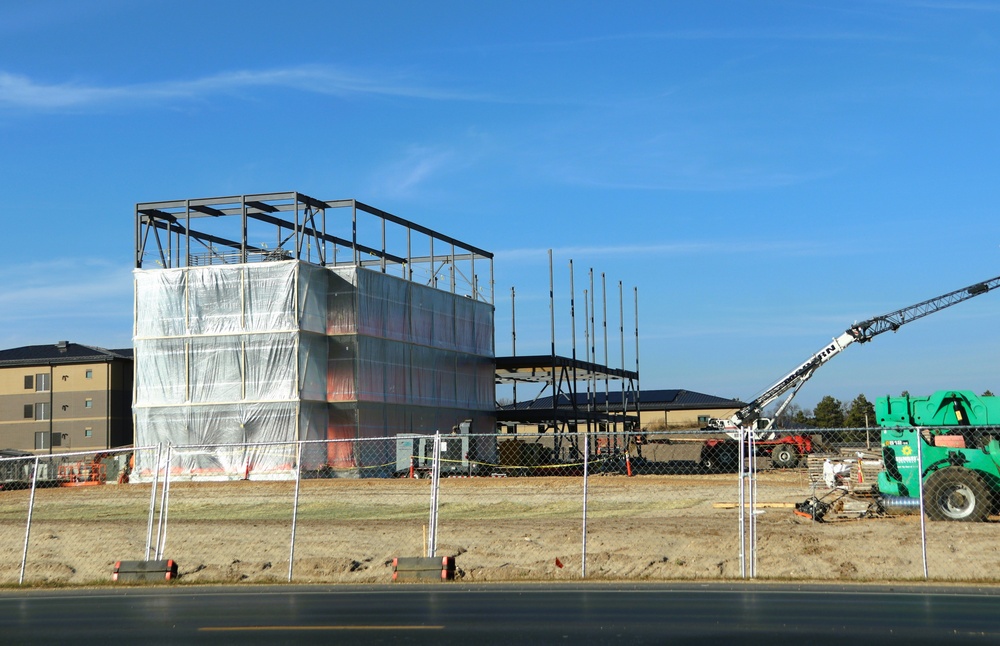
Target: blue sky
(763, 173)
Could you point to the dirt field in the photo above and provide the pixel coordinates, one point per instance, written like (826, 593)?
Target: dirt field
(642, 528)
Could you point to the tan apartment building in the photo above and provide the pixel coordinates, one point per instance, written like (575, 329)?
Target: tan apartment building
(65, 397)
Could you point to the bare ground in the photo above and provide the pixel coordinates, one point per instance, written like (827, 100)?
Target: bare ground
(680, 527)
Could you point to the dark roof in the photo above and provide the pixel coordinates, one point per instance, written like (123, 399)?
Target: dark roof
(58, 353)
(671, 399)
(549, 368)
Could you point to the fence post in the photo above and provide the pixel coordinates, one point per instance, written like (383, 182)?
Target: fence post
(586, 469)
(152, 503)
(741, 501)
(295, 507)
(27, 529)
(920, 494)
(161, 530)
(748, 503)
(752, 508)
(435, 484)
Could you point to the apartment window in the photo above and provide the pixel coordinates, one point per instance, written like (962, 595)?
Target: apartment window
(29, 382)
(42, 440)
(88, 432)
(42, 411)
(90, 374)
(29, 411)
(88, 403)
(43, 383)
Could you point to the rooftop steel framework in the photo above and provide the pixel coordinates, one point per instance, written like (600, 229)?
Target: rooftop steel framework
(562, 376)
(284, 226)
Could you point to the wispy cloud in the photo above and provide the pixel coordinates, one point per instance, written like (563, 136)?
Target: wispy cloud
(18, 91)
(418, 165)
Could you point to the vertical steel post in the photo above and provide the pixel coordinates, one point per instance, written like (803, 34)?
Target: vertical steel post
(451, 263)
(322, 262)
(586, 349)
(604, 324)
(575, 441)
(298, 230)
(621, 337)
(753, 510)
(552, 345)
(152, 503)
(920, 494)
(382, 258)
(435, 491)
(552, 321)
(295, 507)
(138, 239)
(592, 379)
(513, 336)
(161, 527)
(408, 270)
(572, 315)
(354, 232)
(638, 386)
(586, 478)
(741, 498)
(27, 529)
(243, 228)
(187, 234)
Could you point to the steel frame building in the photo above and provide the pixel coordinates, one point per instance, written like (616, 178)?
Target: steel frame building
(265, 227)
(273, 317)
(291, 225)
(571, 410)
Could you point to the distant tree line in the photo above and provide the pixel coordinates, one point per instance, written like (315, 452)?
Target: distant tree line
(830, 412)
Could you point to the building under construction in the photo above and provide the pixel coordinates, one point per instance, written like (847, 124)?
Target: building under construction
(279, 317)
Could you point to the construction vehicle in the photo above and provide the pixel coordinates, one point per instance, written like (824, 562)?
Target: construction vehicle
(949, 443)
(786, 450)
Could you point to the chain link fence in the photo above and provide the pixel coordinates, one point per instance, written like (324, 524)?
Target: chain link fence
(678, 505)
(60, 523)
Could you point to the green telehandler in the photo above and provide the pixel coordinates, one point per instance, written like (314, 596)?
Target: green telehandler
(955, 434)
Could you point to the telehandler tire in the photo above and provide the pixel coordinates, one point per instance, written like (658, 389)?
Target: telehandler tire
(958, 494)
(785, 456)
(721, 458)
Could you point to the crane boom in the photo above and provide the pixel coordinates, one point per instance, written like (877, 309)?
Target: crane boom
(863, 332)
(867, 330)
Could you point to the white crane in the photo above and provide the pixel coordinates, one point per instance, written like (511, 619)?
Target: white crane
(749, 417)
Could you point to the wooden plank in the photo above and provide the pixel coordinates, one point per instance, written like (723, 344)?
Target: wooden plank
(762, 505)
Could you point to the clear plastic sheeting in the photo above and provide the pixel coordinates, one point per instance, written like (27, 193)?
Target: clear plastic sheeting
(281, 351)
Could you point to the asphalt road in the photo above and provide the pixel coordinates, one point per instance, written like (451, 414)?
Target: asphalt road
(454, 613)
